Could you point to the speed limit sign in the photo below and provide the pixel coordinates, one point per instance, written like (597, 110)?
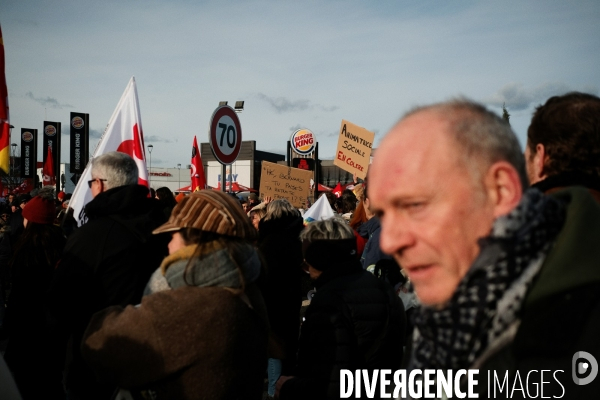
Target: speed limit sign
(225, 135)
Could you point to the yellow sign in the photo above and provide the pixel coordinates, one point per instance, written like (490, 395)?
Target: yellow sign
(353, 152)
(281, 182)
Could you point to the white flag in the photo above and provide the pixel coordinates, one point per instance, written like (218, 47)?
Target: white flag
(319, 211)
(124, 134)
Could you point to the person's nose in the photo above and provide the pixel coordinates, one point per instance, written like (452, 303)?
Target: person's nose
(396, 235)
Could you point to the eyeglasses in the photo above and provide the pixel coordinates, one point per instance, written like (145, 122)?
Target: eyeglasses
(94, 180)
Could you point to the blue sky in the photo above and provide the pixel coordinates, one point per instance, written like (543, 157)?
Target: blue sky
(295, 64)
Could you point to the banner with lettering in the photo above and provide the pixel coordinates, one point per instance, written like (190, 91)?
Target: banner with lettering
(52, 138)
(353, 152)
(80, 135)
(282, 182)
(29, 140)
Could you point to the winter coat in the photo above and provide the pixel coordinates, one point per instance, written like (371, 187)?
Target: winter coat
(280, 246)
(354, 321)
(195, 337)
(561, 311)
(106, 262)
(371, 230)
(32, 339)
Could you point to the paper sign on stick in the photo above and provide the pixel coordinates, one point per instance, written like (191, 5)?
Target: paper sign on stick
(281, 182)
(353, 152)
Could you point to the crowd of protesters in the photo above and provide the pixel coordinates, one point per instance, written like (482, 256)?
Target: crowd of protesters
(458, 251)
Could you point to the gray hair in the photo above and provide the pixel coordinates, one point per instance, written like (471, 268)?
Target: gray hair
(328, 229)
(119, 169)
(482, 136)
(280, 208)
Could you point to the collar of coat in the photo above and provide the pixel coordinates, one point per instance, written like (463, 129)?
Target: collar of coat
(211, 264)
(573, 260)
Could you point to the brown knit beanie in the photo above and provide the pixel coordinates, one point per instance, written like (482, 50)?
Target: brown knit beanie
(210, 211)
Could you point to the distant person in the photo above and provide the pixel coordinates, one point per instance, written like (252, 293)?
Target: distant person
(11, 235)
(279, 243)
(107, 261)
(31, 352)
(167, 199)
(253, 201)
(563, 144)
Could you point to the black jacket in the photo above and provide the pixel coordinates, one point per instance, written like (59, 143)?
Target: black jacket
(354, 321)
(280, 246)
(106, 262)
(560, 316)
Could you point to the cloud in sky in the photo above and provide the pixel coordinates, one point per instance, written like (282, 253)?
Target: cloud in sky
(283, 104)
(518, 97)
(154, 138)
(95, 133)
(47, 101)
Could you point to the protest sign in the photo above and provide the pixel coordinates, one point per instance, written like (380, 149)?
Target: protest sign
(281, 182)
(353, 153)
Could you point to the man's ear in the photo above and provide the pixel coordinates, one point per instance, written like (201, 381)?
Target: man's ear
(504, 187)
(538, 161)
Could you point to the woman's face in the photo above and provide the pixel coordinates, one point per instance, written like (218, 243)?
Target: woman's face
(176, 242)
(255, 220)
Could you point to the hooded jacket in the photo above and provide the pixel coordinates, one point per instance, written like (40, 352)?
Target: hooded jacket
(106, 262)
(561, 312)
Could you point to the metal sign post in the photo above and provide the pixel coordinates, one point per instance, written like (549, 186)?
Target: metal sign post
(225, 138)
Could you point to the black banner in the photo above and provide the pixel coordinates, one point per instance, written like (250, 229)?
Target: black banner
(52, 138)
(29, 152)
(80, 134)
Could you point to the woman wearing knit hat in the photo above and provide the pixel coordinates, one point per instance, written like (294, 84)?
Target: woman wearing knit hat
(201, 330)
(29, 352)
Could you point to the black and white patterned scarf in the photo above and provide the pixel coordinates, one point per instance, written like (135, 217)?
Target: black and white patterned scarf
(490, 296)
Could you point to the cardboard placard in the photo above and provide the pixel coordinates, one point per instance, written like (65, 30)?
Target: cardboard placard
(281, 182)
(353, 152)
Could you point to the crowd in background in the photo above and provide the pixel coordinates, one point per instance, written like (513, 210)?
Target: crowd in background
(444, 257)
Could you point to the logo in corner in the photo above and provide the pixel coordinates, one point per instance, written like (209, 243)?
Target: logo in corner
(582, 364)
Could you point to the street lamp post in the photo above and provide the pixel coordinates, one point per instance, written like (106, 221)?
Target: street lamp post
(150, 147)
(179, 176)
(13, 174)
(14, 152)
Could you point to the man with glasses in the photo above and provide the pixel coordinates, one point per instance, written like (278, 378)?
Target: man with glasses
(108, 260)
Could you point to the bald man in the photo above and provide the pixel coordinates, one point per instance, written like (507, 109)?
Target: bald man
(499, 270)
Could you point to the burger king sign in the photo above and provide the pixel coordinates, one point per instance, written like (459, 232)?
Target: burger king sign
(303, 141)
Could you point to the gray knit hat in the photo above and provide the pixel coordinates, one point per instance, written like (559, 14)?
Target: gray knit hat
(210, 211)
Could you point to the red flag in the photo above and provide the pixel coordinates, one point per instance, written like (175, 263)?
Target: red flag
(4, 119)
(338, 190)
(197, 170)
(48, 170)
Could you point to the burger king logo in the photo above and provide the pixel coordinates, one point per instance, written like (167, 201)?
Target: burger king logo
(303, 141)
(50, 130)
(77, 122)
(27, 136)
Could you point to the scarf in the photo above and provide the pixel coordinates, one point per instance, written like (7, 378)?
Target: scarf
(213, 267)
(488, 299)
